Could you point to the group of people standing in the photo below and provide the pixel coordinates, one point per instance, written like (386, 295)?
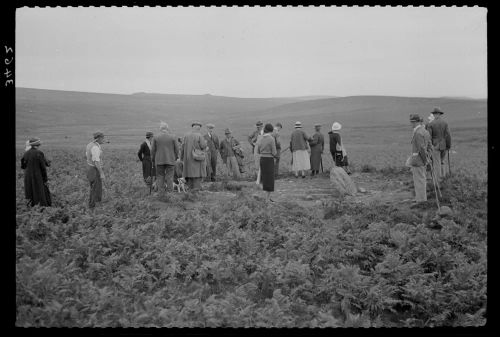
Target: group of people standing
(166, 158)
(431, 143)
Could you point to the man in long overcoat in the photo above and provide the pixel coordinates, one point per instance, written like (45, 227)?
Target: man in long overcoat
(144, 154)
(165, 152)
(34, 163)
(317, 144)
(213, 149)
(194, 170)
(441, 141)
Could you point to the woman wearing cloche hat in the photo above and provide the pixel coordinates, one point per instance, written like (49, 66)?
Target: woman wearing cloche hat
(337, 149)
(34, 165)
(298, 147)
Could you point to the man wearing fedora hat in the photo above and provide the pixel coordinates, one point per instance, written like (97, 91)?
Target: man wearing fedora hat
(34, 164)
(253, 138)
(298, 147)
(95, 173)
(213, 150)
(418, 159)
(317, 144)
(194, 169)
(164, 154)
(144, 154)
(441, 142)
(228, 151)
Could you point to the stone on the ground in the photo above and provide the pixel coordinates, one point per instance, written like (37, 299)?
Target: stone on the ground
(445, 211)
(309, 197)
(362, 190)
(342, 182)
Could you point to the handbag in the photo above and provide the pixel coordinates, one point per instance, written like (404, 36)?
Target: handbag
(198, 155)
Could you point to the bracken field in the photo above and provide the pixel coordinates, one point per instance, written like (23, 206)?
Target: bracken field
(189, 261)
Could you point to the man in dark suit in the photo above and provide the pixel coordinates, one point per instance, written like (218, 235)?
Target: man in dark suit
(165, 152)
(144, 154)
(213, 149)
(441, 142)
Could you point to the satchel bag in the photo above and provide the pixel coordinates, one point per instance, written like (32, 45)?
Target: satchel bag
(198, 155)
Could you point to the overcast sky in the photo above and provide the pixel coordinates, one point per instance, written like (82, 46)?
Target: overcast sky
(255, 52)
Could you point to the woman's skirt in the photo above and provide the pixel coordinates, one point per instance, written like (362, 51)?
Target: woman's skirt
(267, 173)
(300, 160)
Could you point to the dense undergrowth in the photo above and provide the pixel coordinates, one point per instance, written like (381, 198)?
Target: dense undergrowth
(246, 263)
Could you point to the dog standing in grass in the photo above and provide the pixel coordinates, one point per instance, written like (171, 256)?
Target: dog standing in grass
(179, 181)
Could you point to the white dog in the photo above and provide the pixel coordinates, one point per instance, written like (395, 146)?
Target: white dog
(181, 185)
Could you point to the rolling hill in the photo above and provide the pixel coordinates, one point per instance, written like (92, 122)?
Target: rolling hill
(54, 115)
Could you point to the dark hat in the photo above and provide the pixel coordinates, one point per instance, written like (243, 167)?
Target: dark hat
(415, 118)
(149, 134)
(279, 124)
(196, 123)
(259, 123)
(437, 110)
(35, 141)
(268, 128)
(227, 131)
(98, 134)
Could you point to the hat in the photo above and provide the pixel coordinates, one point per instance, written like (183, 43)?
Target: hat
(317, 125)
(196, 123)
(210, 126)
(279, 125)
(149, 134)
(336, 126)
(298, 124)
(98, 134)
(268, 128)
(35, 141)
(227, 131)
(437, 110)
(259, 123)
(415, 118)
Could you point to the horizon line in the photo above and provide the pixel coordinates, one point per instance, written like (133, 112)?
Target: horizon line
(270, 97)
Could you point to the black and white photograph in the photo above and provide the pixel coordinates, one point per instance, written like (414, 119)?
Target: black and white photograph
(250, 167)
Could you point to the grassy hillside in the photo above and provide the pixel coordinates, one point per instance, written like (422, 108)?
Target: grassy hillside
(73, 116)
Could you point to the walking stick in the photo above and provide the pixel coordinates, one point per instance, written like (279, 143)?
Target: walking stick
(434, 184)
(151, 178)
(449, 163)
(321, 164)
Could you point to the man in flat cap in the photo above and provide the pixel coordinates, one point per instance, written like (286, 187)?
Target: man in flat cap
(95, 172)
(441, 142)
(228, 151)
(252, 139)
(164, 153)
(418, 159)
(317, 145)
(144, 154)
(194, 158)
(213, 150)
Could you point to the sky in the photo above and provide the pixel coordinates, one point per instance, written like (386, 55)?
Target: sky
(255, 51)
